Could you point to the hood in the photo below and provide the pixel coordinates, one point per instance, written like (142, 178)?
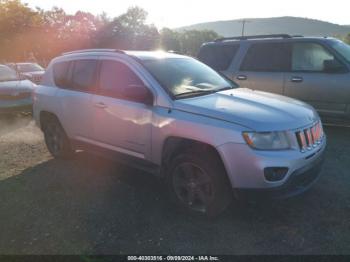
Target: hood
(260, 111)
(10, 87)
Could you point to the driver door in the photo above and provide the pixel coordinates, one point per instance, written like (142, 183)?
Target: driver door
(312, 81)
(122, 122)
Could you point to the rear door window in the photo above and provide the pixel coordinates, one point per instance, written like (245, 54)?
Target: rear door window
(84, 75)
(267, 57)
(219, 57)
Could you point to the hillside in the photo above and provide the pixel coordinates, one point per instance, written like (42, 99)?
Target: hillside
(289, 25)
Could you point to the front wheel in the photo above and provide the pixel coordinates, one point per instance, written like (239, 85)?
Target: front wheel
(198, 182)
(56, 140)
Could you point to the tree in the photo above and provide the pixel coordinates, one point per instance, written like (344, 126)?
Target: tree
(18, 23)
(170, 40)
(62, 32)
(186, 42)
(347, 39)
(191, 40)
(46, 34)
(129, 31)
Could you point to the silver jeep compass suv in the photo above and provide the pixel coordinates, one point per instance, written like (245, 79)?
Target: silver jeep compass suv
(178, 118)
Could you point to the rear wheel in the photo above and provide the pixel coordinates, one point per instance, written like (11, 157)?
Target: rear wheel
(56, 140)
(198, 182)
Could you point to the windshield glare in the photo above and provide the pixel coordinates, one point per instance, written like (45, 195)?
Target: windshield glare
(24, 68)
(342, 49)
(186, 75)
(7, 74)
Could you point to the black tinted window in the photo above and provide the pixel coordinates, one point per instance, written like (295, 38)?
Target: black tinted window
(60, 72)
(267, 57)
(115, 77)
(218, 57)
(84, 74)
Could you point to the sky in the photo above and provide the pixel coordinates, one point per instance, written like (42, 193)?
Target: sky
(177, 13)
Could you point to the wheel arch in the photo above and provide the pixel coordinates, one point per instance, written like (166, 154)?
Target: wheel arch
(45, 116)
(174, 145)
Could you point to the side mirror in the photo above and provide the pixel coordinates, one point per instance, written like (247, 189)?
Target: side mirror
(138, 93)
(332, 66)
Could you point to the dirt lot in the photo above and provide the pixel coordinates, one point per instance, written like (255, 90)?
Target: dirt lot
(93, 206)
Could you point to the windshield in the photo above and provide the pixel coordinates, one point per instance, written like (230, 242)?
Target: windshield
(7, 74)
(24, 68)
(342, 49)
(187, 76)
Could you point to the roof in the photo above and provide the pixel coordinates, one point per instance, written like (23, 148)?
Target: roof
(153, 55)
(142, 55)
(25, 63)
(272, 38)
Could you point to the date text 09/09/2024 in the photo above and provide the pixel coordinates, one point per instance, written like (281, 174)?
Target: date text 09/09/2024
(173, 258)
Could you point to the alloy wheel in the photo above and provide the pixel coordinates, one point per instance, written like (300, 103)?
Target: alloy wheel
(193, 186)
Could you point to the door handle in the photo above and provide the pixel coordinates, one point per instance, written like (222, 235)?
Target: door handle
(101, 105)
(296, 79)
(242, 77)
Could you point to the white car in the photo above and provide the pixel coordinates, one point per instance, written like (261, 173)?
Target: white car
(15, 93)
(31, 71)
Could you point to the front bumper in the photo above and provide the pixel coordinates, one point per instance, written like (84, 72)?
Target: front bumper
(298, 182)
(245, 169)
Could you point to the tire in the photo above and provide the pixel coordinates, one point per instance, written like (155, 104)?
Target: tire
(198, 183)
(56, 140)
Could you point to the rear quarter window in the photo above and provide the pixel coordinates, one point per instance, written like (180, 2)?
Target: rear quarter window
(60, 74)
(218, 57)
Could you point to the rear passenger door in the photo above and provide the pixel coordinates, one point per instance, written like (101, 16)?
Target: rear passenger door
(76, 81)
(263, 67)
(311, 81)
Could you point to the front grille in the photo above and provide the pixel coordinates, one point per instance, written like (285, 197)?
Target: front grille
(310, 137)
(36, 79)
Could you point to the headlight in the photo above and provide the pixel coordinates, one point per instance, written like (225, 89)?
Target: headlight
(267, 140)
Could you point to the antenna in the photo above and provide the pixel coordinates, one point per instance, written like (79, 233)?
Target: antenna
(244, 21)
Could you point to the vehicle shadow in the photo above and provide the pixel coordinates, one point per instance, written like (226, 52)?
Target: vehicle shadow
(94, 206)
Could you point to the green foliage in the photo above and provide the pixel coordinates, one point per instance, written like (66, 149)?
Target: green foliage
(129, 31)
(16, 17)
(16, 20)
(187, 42)
(347, 39)
(25, 32)
(191, 40)
(170, 40)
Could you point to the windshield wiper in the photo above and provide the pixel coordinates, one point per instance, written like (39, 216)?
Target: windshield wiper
(195, 93)
(202, 92)
(224, 88)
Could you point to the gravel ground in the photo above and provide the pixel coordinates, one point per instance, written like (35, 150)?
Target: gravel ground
(93, 206)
